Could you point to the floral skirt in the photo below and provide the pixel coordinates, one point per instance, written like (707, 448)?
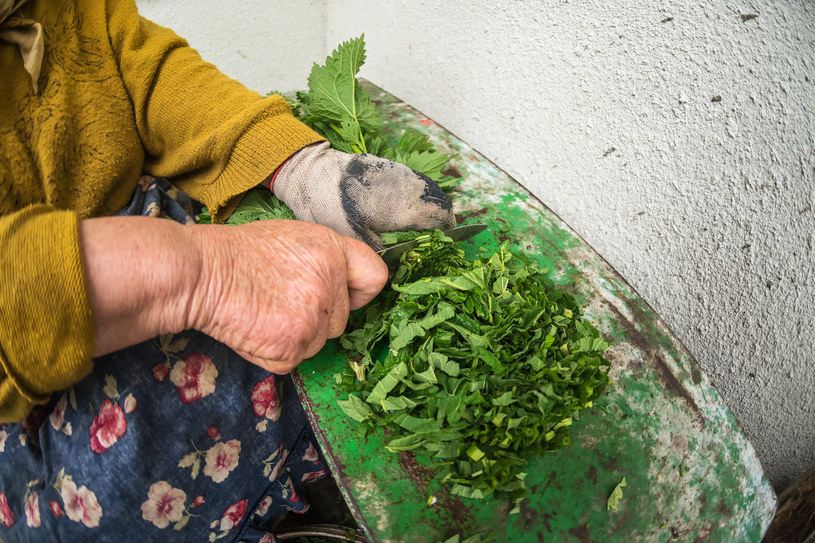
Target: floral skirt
(174, 439)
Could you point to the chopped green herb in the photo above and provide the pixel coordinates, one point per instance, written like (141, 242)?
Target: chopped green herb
(392, 238)
(616, 496)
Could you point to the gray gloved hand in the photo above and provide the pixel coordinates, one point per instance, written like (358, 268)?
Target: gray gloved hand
(360, 195)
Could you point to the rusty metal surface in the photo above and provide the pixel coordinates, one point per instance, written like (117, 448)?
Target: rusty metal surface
(691, 473)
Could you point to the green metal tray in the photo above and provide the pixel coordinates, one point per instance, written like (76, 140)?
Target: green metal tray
(691, 473)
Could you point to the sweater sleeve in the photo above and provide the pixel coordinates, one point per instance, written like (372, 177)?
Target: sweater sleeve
(46, 324)
(214, 137)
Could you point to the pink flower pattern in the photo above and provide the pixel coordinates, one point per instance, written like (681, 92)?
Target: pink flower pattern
(263, 506)
(80, 504)
(194, 377)
(164, 504)
(130, 403)
(265, 399)
(214, 432)
(57, 416)
(160, 372)
(56, 508)
(279, 460)
(292, 492)
(221, 459)
(313, 475)
(311, 453)
(233, 515)
(32, 510)
(6, 516)
(107, 427)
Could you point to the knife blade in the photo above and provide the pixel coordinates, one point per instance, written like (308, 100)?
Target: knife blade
(392, 254)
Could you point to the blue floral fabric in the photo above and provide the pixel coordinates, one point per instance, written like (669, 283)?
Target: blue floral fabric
(156, 197)
(174, 439)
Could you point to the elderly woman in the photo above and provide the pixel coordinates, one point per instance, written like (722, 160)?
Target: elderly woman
(141, 361)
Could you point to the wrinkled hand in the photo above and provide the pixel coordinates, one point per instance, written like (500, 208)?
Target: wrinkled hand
(360, 195)
(274, 291)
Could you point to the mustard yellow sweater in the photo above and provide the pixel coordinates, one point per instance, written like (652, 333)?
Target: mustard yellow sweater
(119, 96)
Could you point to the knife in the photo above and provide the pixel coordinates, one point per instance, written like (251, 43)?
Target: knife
(392, 254)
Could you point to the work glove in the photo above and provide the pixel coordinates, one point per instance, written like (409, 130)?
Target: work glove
(360, 195)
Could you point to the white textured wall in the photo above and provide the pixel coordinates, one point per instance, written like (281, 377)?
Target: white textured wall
(675, 137)
(610, 113)
(268, 45)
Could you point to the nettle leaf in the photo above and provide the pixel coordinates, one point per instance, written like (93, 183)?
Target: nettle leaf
(500, 285)
(375, 144)
(414, 141)
(486, 355)
(475, 453)
(444, 312)
(334, 138)
(429, 163)
(334, 92)
(355, 408)
(427, 376)
(446, 365)
(397, 404)
(504, 399)
(387, 383)
(469, 492)
(445, 450)
(406, 335)
(417, 425)
(406, 443)
(616, 496)
(431, 285)
(392, 238)
(258, 204)
(349, 131)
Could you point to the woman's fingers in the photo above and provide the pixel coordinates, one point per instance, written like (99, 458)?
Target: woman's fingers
(367, 273)
(279, 367)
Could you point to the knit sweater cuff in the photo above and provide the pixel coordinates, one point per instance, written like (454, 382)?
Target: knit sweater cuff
(46, 323)
(262, 148)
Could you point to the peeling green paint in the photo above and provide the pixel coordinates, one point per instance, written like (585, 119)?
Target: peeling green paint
(660, 413)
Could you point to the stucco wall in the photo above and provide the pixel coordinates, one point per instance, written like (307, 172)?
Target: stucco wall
(675, 137)
(267, 45)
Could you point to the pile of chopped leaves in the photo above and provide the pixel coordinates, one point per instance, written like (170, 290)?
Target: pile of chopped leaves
(485, 363)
